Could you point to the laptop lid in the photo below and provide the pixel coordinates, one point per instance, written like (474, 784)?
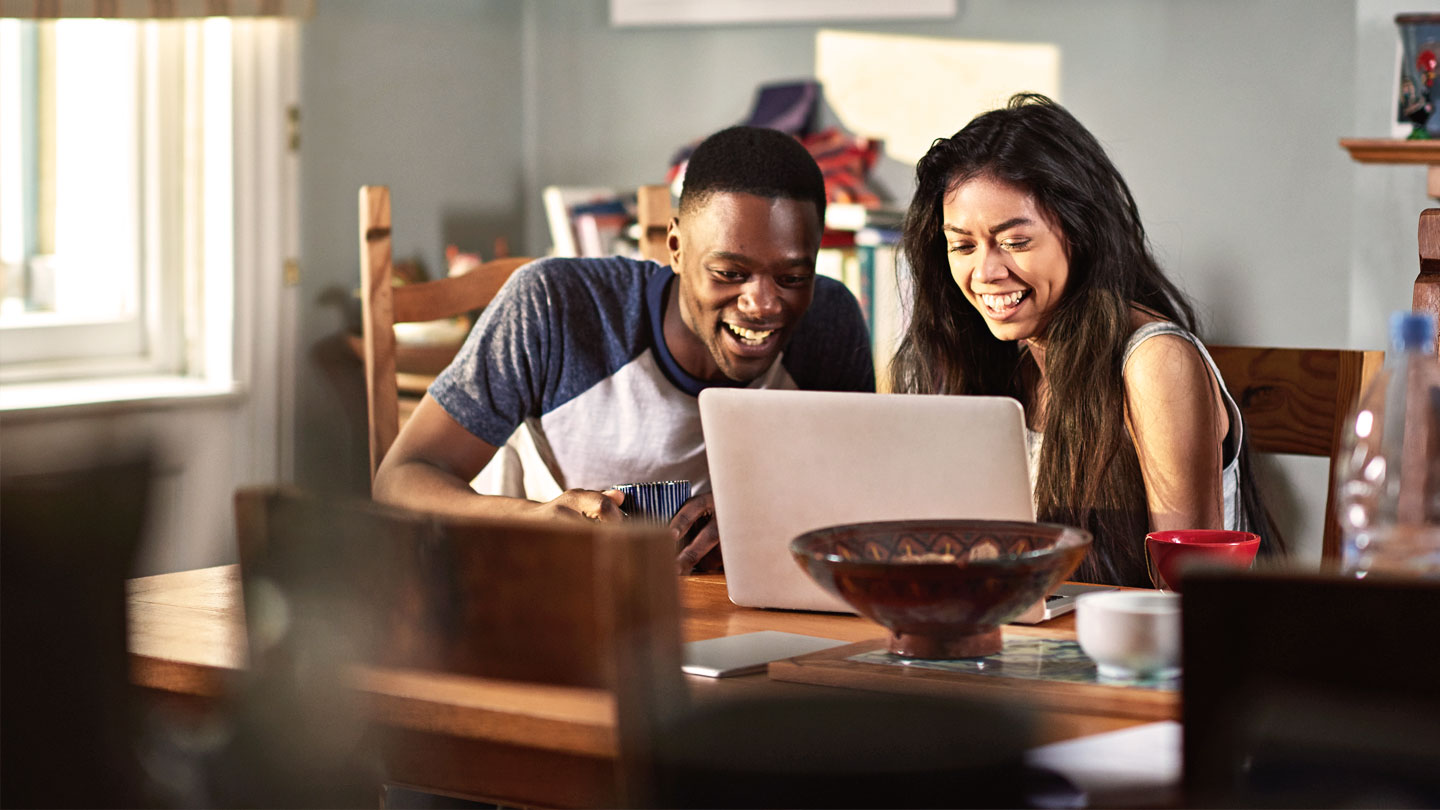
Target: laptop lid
(785, 462)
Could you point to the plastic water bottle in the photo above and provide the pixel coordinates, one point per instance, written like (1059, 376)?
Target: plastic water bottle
(1388, 477)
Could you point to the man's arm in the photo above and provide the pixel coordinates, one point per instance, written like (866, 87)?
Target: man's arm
(431, 464)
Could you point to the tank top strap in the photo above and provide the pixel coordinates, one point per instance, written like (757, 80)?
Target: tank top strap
(1155, 328)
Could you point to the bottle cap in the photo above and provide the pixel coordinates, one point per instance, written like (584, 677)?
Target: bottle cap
(1412, 331)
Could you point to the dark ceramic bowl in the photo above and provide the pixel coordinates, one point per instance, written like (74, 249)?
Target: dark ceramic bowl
(941, 587)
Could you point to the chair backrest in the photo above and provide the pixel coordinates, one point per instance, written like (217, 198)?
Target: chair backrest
(513, 605)
(652, 213)
(71, 735)
(383, 305)
(1296, 401)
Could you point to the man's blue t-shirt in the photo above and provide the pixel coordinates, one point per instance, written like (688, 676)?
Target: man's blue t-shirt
(568, 373)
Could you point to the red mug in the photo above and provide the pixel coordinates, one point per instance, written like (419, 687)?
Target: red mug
(1170, 553)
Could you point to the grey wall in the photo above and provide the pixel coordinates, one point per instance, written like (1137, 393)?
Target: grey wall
(424, 97)
(1223, 115)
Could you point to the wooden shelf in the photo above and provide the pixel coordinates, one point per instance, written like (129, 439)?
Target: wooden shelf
(1391, 150)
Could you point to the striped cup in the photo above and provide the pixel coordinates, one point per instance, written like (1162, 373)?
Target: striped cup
(654, 502)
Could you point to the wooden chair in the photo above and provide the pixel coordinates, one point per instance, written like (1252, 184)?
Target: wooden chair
(572, 626)
(384, 305)
(1272, 721)
(1296, 401)
(72, 732)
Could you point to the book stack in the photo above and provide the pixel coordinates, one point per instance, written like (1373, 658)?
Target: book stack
(861, 250)
(589, 221)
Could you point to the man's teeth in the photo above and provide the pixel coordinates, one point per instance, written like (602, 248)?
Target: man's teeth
(750, 337)
(1003, 302)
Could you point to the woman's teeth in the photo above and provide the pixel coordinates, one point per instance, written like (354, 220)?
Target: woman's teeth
(749, 337)
(1000, 303)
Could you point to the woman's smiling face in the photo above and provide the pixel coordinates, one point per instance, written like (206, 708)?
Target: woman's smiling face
(1006, 255)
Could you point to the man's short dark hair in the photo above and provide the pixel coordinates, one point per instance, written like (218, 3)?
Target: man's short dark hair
(752, 160)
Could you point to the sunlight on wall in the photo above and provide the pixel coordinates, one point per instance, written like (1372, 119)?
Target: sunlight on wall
(911, 90)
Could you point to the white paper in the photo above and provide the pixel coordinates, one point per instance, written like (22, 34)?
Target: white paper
(911, 90)
(1138, 762)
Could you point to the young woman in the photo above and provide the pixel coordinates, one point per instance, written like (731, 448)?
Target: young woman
(1033, 278)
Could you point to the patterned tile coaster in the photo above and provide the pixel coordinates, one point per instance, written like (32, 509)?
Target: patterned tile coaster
(1036, 659)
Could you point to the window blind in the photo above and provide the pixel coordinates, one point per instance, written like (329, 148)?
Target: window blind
(155, 9)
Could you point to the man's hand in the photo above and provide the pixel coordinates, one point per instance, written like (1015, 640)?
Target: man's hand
(697, 515)
(585, 504)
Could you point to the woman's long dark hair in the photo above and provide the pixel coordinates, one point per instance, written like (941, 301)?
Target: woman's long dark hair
(1089, 474)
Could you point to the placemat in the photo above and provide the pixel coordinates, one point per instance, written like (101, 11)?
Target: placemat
(1044, 673)
(1037, 659)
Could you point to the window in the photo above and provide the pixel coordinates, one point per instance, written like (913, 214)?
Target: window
(116, 196)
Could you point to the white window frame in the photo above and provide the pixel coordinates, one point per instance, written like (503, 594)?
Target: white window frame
(154, 338)
(245, 343)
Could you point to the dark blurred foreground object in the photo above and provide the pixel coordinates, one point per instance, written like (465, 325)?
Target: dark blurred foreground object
(846, 749)
(1311, 691)
(587, 612)
(67, 725)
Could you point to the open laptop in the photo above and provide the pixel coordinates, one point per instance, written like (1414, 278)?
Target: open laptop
(784, 462)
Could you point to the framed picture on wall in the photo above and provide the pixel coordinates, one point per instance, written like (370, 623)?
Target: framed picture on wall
(1415, 96)
(627, 13)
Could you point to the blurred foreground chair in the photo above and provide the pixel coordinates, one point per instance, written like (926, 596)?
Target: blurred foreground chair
(71, 730)
(391, 369)
(1296, 401)
(538, 620)
(545, 638)
(1310, 691)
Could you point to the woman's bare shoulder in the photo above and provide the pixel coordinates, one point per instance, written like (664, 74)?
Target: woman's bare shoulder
(1164, 364)
(1165, 357)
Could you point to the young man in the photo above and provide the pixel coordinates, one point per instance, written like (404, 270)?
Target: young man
(586, 371)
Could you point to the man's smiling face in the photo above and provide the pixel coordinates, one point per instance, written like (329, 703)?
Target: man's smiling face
(746, 274)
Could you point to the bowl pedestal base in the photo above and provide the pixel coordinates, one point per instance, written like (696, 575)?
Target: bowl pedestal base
(912, 645)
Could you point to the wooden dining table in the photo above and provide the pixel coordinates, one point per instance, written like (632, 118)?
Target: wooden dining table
(452, 733)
